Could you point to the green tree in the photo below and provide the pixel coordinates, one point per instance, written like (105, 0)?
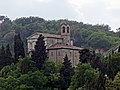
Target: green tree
(31, 81)
(51, 71)
(2, 83)
(18, 47)
(85, 77)
(11, 83)
(86, 56)
(24, 87)
(26, 64)
(113, 64)
(10, 70)
(115, 84)
(66, 74)
(39, 54)
(36, 79)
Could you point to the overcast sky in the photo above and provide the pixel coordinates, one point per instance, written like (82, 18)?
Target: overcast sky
(87, 11)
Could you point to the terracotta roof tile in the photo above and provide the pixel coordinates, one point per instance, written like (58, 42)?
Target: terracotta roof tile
(60, 46)
(47, 35)
(51, 35)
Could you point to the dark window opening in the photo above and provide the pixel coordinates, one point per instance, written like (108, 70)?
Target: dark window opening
(67, 29)
(63, 29)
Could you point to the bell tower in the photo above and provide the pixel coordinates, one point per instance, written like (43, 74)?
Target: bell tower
(65, 32)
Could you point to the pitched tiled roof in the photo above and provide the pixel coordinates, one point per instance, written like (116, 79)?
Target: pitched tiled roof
(63, 46)
(47, 35)
(51, 35)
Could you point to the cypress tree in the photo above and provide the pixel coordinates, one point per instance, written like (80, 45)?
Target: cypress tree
(39, 55)
(65, 74)
(18, 47)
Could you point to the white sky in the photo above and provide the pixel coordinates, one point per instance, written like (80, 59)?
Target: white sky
(87, 11)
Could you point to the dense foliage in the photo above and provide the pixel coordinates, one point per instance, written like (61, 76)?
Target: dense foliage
(115, 84)
(85, 77)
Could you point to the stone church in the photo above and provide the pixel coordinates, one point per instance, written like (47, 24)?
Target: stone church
(57, 45)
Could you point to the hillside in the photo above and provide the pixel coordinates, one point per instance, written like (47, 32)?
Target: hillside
(84, 35)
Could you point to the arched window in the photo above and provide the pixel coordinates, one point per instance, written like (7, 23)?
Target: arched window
(68, 30)
(63, 29)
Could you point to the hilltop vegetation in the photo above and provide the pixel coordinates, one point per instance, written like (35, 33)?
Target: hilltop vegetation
(84, 35)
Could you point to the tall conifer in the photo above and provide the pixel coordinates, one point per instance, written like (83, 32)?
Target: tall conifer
(18, 47)
(65, 74)
(39, 54)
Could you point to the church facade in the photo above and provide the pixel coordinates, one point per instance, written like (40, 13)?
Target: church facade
(57, 45)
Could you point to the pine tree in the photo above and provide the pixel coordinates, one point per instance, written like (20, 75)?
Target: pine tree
(18, 47)
(39, 55)
(65, 74)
